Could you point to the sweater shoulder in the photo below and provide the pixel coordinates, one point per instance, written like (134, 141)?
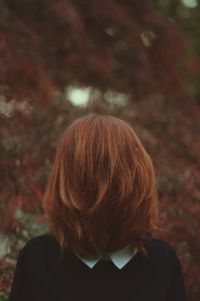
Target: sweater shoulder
(159, 247)
(44, 242)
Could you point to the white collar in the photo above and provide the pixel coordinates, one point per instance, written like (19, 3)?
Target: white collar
(120, 257)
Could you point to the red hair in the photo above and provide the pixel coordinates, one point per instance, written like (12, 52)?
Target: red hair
(102, 191)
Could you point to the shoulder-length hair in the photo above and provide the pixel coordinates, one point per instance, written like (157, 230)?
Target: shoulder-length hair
(102, 192)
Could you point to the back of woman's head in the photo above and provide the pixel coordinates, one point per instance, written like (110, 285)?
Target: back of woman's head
(102, 192)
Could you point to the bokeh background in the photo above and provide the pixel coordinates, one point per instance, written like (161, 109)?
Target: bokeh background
(137, 60)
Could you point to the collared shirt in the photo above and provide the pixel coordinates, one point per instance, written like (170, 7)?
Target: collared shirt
(42, 274)
(120, 257)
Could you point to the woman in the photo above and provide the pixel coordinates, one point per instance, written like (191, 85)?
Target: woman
(101, 204)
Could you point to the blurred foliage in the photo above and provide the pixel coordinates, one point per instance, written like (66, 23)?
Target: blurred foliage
(187, 19)
(3, 297)
(139, 61)
(112, 44)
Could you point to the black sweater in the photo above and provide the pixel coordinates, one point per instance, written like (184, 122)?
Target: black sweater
(42, 275)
